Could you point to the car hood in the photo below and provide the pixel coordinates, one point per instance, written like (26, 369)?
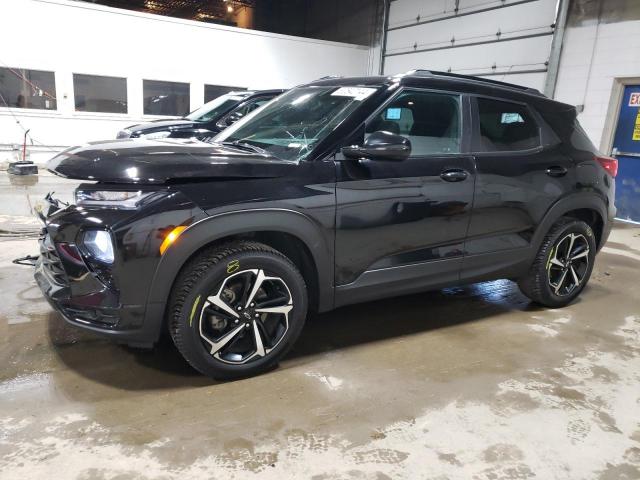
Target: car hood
(160, 161)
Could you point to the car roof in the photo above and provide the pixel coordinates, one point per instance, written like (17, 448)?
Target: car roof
(444, 81)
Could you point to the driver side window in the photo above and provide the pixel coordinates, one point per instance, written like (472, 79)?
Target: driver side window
(431, 122)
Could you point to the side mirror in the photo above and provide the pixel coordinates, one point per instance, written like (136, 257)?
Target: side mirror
(381, 145)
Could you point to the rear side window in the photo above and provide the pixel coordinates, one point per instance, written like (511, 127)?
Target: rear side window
(505, 126)
(431, 121)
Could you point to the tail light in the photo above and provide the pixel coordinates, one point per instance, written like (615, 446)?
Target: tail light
(609, 164)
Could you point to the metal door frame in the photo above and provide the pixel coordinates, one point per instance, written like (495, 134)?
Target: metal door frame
(613, 111)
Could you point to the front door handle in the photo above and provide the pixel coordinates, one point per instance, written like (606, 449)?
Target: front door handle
(556, 171)
(454, 175)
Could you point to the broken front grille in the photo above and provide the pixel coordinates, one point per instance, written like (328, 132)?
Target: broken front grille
(51, 261)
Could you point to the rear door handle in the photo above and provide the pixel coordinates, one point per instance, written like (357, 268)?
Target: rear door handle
(556, 171)
(454, 175)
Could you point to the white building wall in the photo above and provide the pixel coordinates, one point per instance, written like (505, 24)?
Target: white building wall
(69, 37)
(593, 56)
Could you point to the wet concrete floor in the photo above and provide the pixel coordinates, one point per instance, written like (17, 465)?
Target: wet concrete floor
(463, 383)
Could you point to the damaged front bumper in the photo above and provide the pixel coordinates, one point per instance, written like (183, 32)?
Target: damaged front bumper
(85, 295)
(83, 300)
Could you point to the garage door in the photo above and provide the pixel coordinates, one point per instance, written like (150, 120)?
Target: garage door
(506, 39)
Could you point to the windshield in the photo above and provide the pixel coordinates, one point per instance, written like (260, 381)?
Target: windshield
(216, 107)
(291, 125)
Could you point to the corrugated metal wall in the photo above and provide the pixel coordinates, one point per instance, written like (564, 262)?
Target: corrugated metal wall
(509, 40)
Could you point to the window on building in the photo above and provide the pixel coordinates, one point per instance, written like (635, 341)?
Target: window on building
(506, 126)
(165, 98)
(21, 88)
(212, 92)
(431, 121)
(95, 93)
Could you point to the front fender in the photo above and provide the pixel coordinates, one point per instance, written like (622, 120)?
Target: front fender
(219, 226)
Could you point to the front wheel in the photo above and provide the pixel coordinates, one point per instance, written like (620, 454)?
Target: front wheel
(563, 264)
(236, 310)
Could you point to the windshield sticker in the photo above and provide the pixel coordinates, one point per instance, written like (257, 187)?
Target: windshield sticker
(357, 93)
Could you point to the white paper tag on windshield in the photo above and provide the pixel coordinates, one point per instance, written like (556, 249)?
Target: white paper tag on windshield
(357, 93)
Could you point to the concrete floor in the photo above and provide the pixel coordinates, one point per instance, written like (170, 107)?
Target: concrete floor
(464, 383)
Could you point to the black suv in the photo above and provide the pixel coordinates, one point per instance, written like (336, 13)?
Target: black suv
(340, 191)
(206, 121)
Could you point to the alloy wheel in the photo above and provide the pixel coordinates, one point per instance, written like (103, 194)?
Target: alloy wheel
(246, 318)
(568, 264)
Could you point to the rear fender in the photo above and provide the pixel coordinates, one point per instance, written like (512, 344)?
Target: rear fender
(576, 201)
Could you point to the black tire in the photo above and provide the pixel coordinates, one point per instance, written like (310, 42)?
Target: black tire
(208, 273)
(537, 284)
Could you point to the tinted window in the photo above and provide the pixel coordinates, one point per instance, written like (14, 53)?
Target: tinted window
(214, 91)
(165, 98)
(20, 88)
(431, 121)
(506, 126)
(95, 93)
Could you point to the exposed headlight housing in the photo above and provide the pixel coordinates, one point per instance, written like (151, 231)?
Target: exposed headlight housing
(155, 135)
(99, 245)
(127, 200)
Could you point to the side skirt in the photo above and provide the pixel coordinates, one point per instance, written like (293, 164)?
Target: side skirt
(511, 264)
(400, 280)
(407, 279)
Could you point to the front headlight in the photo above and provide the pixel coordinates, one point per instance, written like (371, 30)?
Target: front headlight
(155, 135)
(112, 198)
(99, 245)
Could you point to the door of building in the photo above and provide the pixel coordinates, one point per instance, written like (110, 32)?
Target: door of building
(626, 148)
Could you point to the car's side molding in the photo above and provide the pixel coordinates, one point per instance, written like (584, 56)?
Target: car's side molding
(219, 226)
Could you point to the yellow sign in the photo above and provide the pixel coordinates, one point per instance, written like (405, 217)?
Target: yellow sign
(636, 128)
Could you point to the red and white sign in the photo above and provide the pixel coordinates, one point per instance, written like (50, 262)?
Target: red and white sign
(634, 99)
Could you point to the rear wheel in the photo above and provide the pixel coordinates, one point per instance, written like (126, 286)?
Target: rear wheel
(236, 310)
(563, 265)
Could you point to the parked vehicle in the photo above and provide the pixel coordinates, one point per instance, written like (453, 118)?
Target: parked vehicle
(340, 191)
(206, 121)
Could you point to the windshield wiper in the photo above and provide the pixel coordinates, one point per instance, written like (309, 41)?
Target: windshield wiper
(246, 146)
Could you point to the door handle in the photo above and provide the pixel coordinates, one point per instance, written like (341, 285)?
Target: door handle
(454, 175)
(556, 171)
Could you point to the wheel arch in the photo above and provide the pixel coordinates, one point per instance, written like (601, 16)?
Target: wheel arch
(292, 233)
(583, 206)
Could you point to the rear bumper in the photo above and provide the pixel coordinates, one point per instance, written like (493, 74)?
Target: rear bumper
(606, 231)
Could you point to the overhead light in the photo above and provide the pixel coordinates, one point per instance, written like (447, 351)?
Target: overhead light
(229, 8)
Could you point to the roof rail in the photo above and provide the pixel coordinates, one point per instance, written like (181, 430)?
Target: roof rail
(470, 78)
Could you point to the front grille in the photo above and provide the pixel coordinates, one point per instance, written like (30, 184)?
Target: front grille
(51, 261)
